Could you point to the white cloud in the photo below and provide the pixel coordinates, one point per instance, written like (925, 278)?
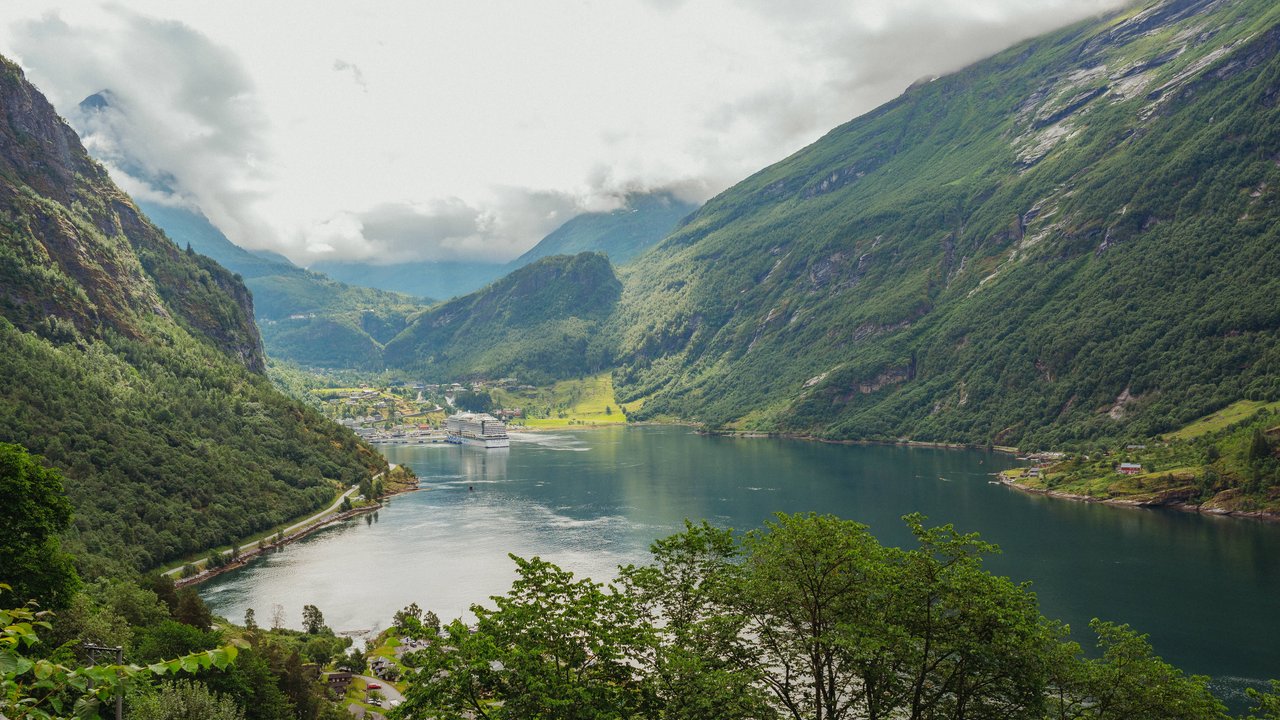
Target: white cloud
(468, 130)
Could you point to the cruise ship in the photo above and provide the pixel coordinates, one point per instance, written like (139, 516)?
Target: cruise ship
(476, 429)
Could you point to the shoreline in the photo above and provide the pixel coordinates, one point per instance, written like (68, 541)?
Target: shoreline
(252, 553)
(1002, 449)
(1137, 503)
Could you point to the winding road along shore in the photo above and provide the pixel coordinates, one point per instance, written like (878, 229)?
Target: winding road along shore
(296, 531)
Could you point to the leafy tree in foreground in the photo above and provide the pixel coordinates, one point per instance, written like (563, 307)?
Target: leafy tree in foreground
(1130, 683)
(1267, 704)
(553, 647)
(808, 618)
(33, 510)
(39, 689)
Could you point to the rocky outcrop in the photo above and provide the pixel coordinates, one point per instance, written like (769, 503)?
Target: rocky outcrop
(79, 250)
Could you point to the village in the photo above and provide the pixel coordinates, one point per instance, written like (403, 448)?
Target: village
(401, 413)
(394, 411)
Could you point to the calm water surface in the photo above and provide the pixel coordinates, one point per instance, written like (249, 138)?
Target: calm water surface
(1207, 590)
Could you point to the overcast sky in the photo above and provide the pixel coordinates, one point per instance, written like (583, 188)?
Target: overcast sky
(469, 130)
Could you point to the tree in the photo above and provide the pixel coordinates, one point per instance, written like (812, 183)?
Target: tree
(250, 620)
(33, 511)
(1259, 446)
(809, 618)
(702, 665)
(192, 610)
(313, 620)
(409, 620)
(552, 647)
(354, 661)
(39, 689)
(138, 605)
(1129, 682)
(182, 700)
(1267, 705)
(171, 638)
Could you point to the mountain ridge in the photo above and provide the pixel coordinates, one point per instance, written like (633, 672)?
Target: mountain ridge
(920, 271)
(135, 368)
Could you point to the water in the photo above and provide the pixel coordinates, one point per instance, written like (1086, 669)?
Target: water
(1207, 590)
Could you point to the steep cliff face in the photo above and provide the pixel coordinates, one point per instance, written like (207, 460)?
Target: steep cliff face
(78, 249)
(997, 255)
(135, 367)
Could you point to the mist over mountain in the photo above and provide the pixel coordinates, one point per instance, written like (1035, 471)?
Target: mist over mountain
(622, 234)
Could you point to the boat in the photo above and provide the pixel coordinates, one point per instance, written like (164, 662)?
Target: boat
(476, 429)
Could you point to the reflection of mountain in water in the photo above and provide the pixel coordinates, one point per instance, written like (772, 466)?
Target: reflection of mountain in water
(481, 465)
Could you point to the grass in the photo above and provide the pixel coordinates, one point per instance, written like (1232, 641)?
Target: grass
(585, 401)
(1229, 415)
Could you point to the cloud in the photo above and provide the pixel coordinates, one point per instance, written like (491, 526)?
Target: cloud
(179, 121)
(357, 75)
(446, 229)
(471, 130)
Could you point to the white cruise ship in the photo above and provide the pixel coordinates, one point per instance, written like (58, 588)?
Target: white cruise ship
(476, 429)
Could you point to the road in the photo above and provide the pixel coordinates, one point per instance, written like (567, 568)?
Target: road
(393, 696)
(303, 523)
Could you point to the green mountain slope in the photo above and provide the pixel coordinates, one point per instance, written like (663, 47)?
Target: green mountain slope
(189, 227)
(427, 278)
(304, 317)
(621, 234)
(135, 367)
(539, 323)
(1073, 239)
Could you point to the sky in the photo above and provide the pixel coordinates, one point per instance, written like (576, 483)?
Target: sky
(424, 130)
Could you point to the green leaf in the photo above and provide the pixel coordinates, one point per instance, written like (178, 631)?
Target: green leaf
(8, 662)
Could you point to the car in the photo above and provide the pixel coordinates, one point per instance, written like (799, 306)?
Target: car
(374, 702)
(373, 686)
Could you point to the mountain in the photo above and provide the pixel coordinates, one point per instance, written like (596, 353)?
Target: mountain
(135, 367)
(539, 323)
(1073, 239)
(186, 226)
(425, 278)
(304, 317)
(620, 234)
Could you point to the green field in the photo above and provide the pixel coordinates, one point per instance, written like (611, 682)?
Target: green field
(567, 403)
(1228, 415)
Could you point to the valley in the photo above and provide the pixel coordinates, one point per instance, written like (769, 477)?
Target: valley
(967, 406)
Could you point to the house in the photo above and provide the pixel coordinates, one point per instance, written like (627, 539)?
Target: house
(1129, 468)
(337, 682)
